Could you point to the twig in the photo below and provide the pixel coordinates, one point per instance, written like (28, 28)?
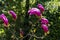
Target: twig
(33, 35)
(30, 37)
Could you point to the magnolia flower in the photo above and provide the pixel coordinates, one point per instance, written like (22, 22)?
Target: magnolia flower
(41, 7)
(44, 21)
(4, 19)
(13, 14)
(45, 28)
(34, 11)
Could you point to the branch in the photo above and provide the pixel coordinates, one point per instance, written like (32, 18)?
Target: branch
(33, 35)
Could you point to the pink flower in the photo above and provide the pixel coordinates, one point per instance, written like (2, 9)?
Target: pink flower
(45, 28)
(41, 7)
(4, 19)
(44, 21)
(34, 11)
(13, 14)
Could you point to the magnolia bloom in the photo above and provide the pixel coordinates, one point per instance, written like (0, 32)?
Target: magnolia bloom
(34, 11)
(13, 14)
(4, 19)
(44, 21)
(45, 28)
(41, 7)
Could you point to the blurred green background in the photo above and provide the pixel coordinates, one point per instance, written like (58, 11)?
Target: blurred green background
(28, 23)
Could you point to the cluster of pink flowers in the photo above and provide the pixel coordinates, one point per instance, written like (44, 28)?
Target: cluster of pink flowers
(38, 11)
(5, 19)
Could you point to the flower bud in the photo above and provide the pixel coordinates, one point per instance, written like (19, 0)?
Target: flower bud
(34, 11)
(44, 21)
(41, 7)
(21, 33)
(4, 19)
(13, 14)
(45, 28)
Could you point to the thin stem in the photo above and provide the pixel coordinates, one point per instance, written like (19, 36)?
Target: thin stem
(33, 35)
